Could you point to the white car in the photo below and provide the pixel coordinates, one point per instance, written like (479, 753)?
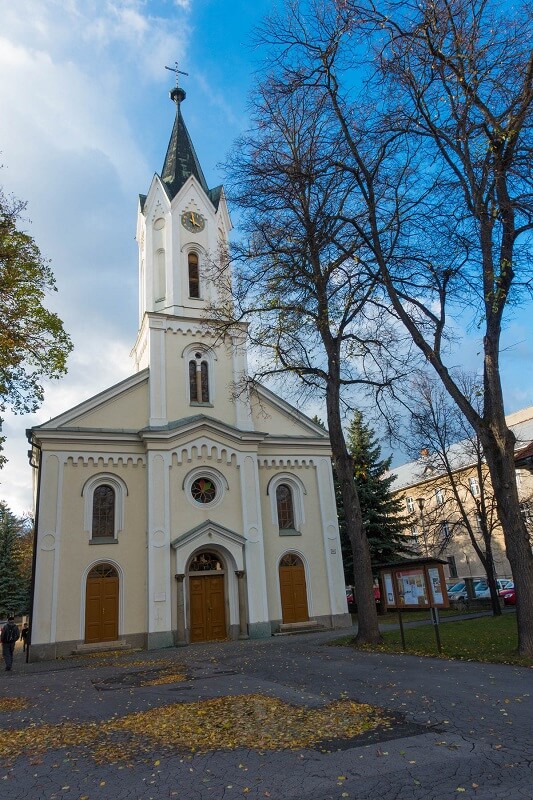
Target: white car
(483, 591)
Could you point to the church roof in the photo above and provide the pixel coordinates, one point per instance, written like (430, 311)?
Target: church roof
(181, 160)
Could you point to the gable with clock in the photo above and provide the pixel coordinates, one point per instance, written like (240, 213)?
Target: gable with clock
(172, 509)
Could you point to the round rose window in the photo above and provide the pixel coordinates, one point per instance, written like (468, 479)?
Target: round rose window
(203, 490)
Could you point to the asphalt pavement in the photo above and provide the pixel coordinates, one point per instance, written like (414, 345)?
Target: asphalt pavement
(458, 730)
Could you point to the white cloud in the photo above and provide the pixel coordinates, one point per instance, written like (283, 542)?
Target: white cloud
(73, 72)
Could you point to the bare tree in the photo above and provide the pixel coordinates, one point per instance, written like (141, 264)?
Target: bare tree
(309, 298)
(449, 448)
(433, 108)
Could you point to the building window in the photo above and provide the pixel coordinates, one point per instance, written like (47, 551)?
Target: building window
(415, 537)
(103, 512)
(444, 531)
(479, 527)
(206, 562)
(452, 566)
(286, 492)
(198, 379)
(526, 510)
(205, 487)
(203, 490)
(194, 275)
(104, 506)
(199, 373)
(410, 504)
(285, 507)
(473, 485)
(291, 560)
(439, 496)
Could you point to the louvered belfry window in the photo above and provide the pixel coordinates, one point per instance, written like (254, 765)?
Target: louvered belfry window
(199, 380)
(194, 276)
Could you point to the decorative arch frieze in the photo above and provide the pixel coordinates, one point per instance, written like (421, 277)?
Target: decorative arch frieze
(109, 460)
(275, 462)
(203, 449)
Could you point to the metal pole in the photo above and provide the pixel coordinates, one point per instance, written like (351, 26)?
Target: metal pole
(402, 634)
(435, 621)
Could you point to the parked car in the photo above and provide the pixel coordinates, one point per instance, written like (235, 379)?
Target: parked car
(458, 592)
(509, 596)
(483, 591)
(350, 596)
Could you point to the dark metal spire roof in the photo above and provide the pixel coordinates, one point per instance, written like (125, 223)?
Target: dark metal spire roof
(181, 160)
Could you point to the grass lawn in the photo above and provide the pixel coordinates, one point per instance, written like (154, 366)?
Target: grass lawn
(492, 639)
(392, 617)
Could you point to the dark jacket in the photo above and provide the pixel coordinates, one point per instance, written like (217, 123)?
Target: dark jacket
(10, 633)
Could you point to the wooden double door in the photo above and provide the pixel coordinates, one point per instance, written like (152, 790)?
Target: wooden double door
(293, 590)
(207, 608)
(101, 605)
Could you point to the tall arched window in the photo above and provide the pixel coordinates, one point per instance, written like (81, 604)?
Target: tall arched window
(286, 492)
(104, 506)
(199, 379)
(285, 507)
(103, 512)
(194, 275)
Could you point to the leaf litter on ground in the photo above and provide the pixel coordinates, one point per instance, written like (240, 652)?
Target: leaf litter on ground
(249, 721)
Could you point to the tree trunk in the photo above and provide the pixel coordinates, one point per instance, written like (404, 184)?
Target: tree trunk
(368, 627)
(498, 446)
(485, 554)
(491, 571)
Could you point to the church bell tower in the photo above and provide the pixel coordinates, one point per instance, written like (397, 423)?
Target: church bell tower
(182, 226)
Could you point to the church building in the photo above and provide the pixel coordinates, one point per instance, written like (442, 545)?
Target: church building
(169, 508)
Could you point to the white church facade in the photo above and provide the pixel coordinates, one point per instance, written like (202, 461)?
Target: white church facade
(169, 509)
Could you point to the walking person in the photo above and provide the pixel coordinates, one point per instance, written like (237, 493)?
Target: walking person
(24, 633)
(8, 636)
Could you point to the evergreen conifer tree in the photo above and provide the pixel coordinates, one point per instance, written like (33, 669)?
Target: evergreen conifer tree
(14, 572)
(382, 513)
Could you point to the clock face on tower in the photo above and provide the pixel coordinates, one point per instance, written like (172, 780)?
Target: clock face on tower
(192, 221)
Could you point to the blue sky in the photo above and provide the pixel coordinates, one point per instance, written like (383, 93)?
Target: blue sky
(85, 123)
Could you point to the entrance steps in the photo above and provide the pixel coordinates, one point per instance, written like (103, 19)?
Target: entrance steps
(291, 628)
(101, 647)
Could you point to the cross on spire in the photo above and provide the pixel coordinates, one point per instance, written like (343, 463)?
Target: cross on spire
(177, 72)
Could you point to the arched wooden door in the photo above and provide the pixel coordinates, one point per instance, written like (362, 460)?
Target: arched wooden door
(207, 598)
(293, 589)
(101, 604)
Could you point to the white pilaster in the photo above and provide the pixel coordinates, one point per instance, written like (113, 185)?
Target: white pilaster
(258, 622)
(158, 380)
(44, 622)
(158, 572)
(330, 537)
(243, 407)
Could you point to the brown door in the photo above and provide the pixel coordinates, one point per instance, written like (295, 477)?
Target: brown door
(207, 615)
(101, 605)
(293, 590)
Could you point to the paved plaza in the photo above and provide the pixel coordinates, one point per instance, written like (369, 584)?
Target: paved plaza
(456, 730)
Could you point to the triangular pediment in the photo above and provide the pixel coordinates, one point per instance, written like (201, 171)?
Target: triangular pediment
(279, 417)
(212, 530)
(200, 425)
(124, 405)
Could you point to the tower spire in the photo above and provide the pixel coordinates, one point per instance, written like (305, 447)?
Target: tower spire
(181, 160)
